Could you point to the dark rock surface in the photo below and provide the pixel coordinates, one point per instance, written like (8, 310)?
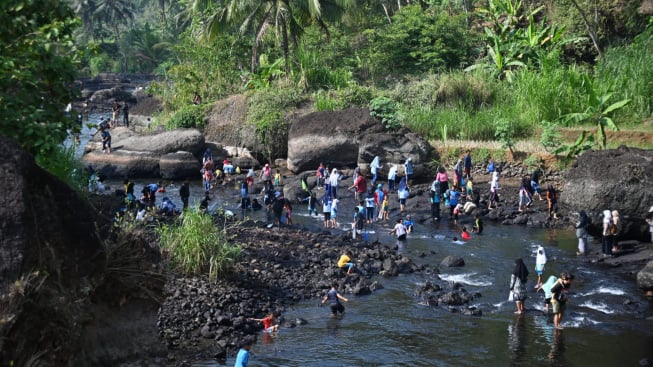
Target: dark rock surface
(614, 179)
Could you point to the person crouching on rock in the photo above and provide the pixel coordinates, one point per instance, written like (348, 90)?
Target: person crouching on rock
(269, 326)
(344, 263)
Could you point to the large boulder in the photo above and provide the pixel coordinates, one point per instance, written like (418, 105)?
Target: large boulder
(169, 154)
(394, 148)
(645, 277)
(615, 179)
(350, 138)
(227, 124)
(50, 248)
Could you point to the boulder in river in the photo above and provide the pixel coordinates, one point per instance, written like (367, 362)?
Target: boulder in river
(645, 277)
(613, 179)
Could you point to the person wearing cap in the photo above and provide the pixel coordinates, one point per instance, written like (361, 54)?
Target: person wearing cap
(649, 220)
(242, 359)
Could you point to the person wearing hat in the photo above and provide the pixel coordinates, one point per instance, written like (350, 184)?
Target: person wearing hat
(649, 220)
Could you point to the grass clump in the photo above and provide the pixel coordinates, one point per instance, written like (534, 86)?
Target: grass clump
(195, 246)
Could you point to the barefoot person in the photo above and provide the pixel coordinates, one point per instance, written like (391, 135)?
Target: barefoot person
(334, 299)
(559, 298)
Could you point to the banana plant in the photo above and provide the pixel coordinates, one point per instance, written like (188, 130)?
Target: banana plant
(598, 111)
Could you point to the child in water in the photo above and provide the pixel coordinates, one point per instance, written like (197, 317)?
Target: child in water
(268, 323)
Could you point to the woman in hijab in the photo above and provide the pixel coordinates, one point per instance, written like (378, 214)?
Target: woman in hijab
(518, 284)
(581, 233)
(374, 169)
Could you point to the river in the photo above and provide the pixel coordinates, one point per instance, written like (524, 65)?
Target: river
(608, 321)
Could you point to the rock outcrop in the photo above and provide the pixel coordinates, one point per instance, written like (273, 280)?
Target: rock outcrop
(169, 154)
(350, 137)
(616, 179)
(645, 277)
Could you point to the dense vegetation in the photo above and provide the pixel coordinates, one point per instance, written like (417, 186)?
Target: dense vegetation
(448, 69)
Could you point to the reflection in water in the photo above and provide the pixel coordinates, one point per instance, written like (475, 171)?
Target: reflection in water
(557, 353)
(517, 340)
(333, 325)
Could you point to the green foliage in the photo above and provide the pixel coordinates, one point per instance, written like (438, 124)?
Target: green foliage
(514, 39)
(265, 114)
(37, 69)
(266, 74)
(386, 110)
(628, 72)
(197, 247)
(533, 162)
(189, 116)
(203, 68)
(62, 163)
(598, 112)
(584, 142)
(316, 74)
(550, 138)
(505, 133)
(419, 41)
(333, 100)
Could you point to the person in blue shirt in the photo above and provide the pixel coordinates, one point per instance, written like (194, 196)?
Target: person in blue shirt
(468, 164)
(242, 359)
(408, 223)
(454, 195)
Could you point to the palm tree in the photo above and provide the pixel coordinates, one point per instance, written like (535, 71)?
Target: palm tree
(257, 17)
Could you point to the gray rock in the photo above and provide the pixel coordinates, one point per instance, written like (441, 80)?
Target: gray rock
(645, 277)
(179, 165)
(615, 179)
(452, 261)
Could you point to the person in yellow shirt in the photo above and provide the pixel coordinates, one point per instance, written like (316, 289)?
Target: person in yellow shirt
(345, 262)
(277, 178)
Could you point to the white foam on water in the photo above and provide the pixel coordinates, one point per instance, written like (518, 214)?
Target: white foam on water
(467, 278)
(605, 290)
(598, 306)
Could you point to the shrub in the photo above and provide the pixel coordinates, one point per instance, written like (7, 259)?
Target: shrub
(189, 116)
(197, 247)
(387, 111)
(62, 163)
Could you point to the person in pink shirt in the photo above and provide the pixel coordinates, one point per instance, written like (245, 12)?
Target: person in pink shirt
(443, 178)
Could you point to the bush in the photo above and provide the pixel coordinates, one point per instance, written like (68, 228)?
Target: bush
(189, 116)
(197, 247)
(63, 164)
(387, 111)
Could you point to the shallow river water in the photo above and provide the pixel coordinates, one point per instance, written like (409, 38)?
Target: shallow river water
(608, 321)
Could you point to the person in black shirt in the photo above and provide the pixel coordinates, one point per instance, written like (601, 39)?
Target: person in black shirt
(559, 298)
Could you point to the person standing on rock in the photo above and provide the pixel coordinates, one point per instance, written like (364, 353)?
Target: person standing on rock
(392, 177)
(606, 240)
(360, 187)
(106, 140)
(468, 164)
(616, 230)
(552, 198)
(518, 280)
(409, 169)
(326, 210)
(494, 190)
(436, 195)
(334, 299)
(443, 178)
(581, 232)
(375, 166)
(125, 114)
(334, 181)
(369, 206)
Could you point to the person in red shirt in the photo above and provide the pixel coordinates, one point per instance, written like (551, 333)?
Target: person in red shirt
(268, 323)
(361, 187)
(465, 235)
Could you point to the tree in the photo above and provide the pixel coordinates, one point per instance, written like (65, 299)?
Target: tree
(257, 17)
(37, 70)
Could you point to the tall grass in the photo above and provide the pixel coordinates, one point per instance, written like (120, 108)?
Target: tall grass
(63, 164)
(628, 72)
(197, 247)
